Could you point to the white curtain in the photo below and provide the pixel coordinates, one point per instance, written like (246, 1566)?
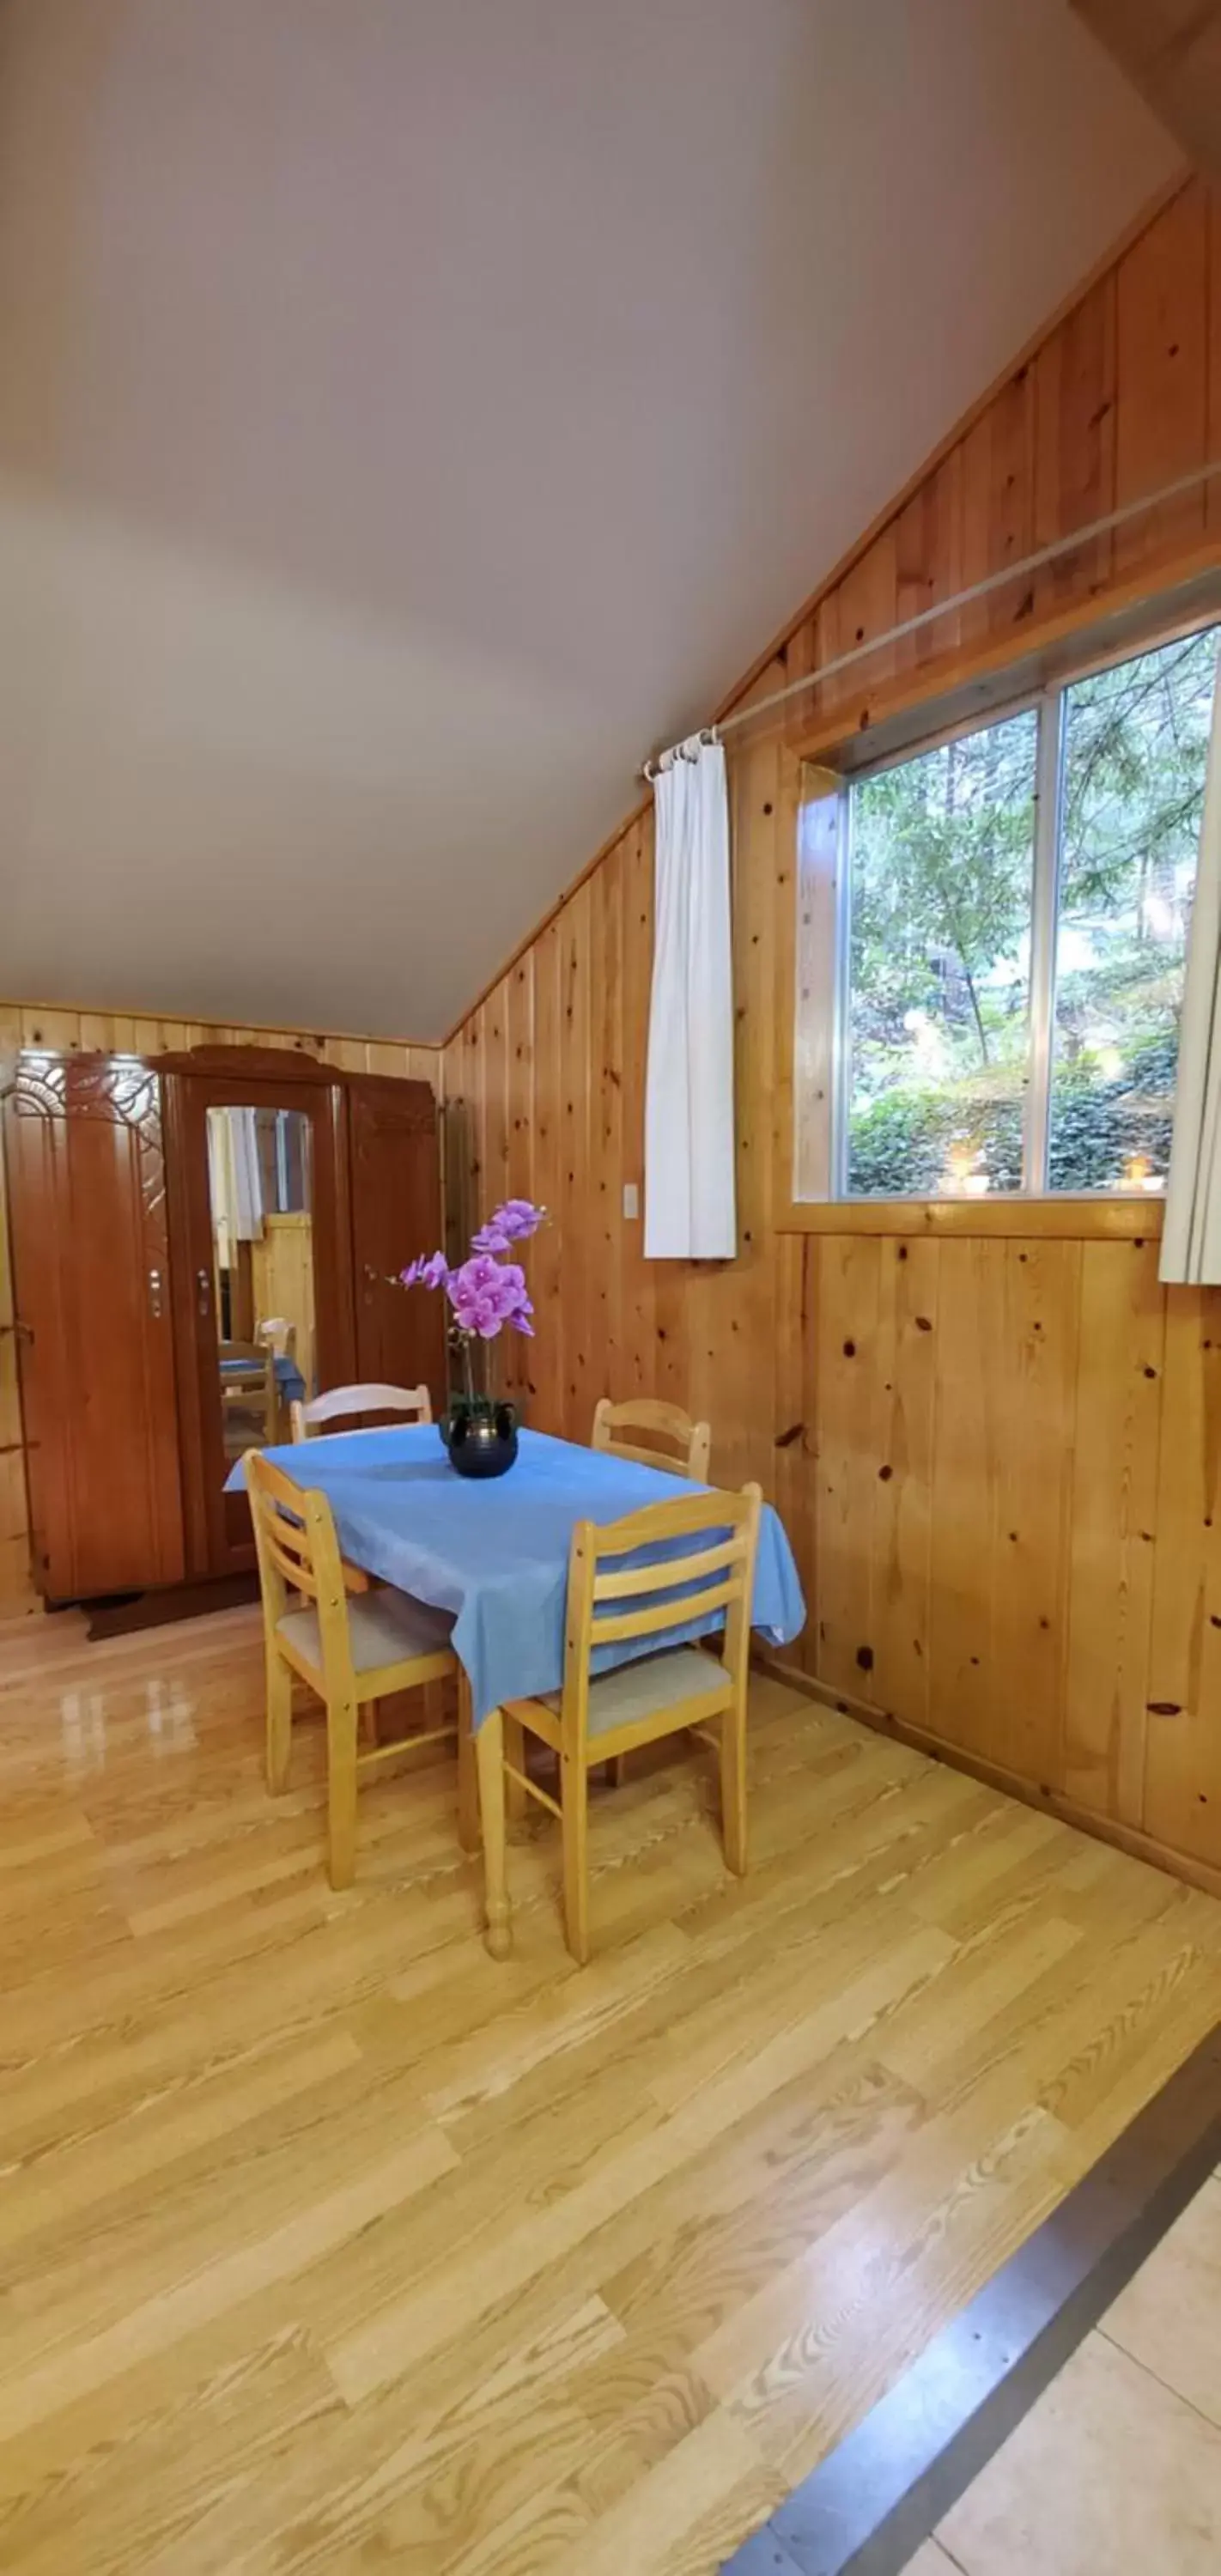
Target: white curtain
(234, 1180)
(688, 1126)
(1191, 1238)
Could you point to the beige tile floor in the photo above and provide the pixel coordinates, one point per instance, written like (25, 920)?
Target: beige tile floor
(1116, 2471)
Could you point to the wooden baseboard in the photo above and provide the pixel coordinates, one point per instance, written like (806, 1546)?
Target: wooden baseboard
(994, 1775)
(126, 1614)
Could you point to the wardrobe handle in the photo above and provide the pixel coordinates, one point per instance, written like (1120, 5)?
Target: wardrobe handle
(154, 1295)
(204, 1285)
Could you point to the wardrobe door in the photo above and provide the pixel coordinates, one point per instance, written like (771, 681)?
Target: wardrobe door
(86, 1178)
(262, 1272)
(396, 1212)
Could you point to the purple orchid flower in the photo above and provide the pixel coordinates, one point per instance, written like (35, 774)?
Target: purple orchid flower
(428, 1270)
(518, 1219)
(476, 1277)
(486, 1293)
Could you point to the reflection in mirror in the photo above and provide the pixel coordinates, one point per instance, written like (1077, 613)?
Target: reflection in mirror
(262, 1270)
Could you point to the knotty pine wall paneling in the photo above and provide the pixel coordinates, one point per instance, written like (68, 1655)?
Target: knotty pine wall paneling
(28, 1024)
(998, 1460)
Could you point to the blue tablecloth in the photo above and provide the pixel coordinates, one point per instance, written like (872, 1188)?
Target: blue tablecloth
(496, 1553)
(288, 1376)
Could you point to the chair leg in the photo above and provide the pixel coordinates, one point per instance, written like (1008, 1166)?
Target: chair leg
(341, 1791)
(490, 1759)
(516, 1798)
(368, 1724)
(574, 1800)
(468, 1778)
(733, 1789)
(279, 1721)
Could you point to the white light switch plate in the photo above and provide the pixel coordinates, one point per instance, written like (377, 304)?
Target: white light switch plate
(631, 1199)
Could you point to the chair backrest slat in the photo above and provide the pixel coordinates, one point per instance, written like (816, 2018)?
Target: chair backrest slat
(294, 1563)
(682, 1517)
(342, 1402)
(268, 1484)
(670, 1462)
(667, 1437)
(664, 1616)
(632, 1580)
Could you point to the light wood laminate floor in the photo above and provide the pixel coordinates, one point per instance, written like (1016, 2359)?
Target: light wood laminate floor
(326, 2242)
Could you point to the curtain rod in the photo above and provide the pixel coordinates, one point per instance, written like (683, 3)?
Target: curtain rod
(945, 608)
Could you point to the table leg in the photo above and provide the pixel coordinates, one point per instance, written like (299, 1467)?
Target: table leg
(468, 1785)
(490, 1757)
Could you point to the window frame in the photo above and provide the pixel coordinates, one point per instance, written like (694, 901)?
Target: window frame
(1034, 1209)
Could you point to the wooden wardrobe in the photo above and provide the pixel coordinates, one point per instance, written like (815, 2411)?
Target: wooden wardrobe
(121, 1298)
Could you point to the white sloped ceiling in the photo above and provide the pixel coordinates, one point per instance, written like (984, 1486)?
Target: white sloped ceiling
(410, 413)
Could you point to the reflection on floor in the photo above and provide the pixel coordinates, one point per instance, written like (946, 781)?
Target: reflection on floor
(328, 2243)
(1118, 2464)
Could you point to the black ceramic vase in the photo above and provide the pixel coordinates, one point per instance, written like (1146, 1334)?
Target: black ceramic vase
(480, 1441)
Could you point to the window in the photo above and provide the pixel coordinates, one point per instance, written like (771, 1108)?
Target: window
(1012, 913)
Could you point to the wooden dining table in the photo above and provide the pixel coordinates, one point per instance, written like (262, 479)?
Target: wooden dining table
(495, 1554)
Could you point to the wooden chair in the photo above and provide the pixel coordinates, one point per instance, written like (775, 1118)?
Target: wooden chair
(249, 1394)
(277, 1334)
(713, 1540)
(351, 1653)
(667, 1436)
(413, 1402)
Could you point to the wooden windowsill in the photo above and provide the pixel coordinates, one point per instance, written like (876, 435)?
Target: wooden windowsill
(1084, 1219)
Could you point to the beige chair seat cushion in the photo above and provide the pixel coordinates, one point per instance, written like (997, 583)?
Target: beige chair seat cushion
(386, 1627)
(638, 1690)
